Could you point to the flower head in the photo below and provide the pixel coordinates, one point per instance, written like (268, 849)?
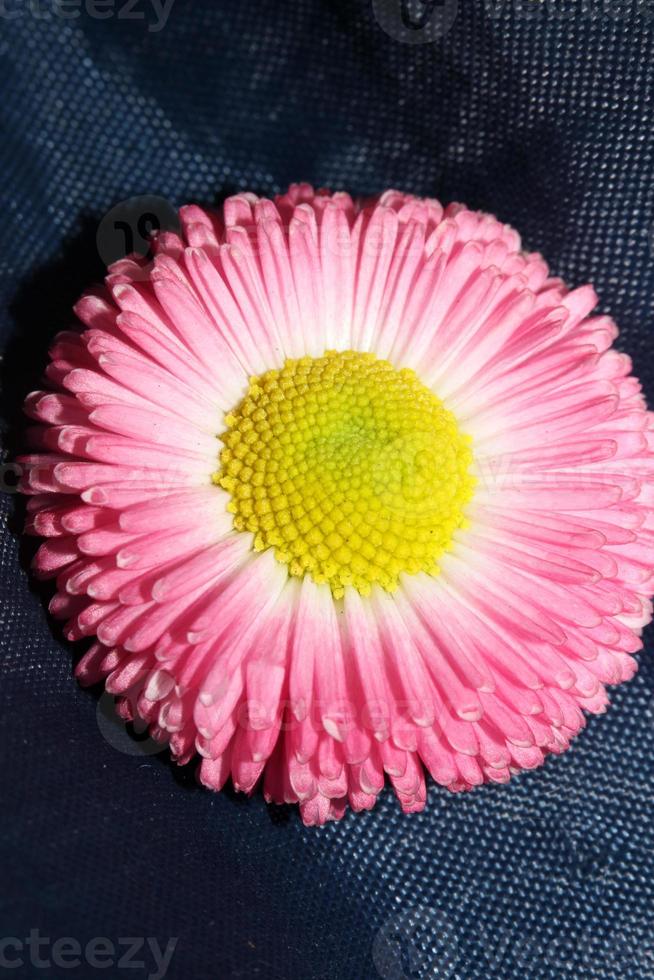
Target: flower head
(346, 491)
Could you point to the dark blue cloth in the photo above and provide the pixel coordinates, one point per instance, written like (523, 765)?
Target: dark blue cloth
(539, 111)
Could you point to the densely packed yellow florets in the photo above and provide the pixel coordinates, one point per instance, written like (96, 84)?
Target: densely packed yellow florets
(352, 470)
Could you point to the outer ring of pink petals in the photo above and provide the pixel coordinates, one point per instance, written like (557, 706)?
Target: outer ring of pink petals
(473, 675)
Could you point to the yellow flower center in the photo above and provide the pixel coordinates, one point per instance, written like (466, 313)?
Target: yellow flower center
(352, 470)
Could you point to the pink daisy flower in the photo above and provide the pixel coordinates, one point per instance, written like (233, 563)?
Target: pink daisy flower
(345, 491)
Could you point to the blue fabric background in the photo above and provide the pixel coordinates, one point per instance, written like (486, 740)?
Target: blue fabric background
(542, 112)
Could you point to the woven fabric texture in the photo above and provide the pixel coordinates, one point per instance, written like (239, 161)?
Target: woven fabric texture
(542, 112)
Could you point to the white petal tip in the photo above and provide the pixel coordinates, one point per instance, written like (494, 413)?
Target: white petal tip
(332, 729)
